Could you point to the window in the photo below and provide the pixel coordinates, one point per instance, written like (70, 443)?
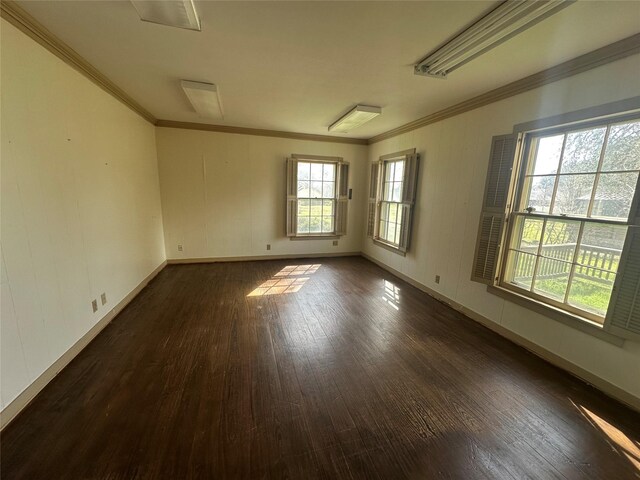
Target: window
(571, 215)
(559, 228)
(391, 199)
(316, 189)
(317, 196)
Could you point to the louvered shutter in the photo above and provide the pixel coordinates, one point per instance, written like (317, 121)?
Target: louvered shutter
(373, 198)
(494, 206)
(409, 186)
(292, 198)
(342, 198)
(623, 314)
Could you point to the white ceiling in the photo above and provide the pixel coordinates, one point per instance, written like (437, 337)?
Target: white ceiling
(297, 66)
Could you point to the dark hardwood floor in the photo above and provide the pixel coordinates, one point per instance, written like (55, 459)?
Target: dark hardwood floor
(350, 374)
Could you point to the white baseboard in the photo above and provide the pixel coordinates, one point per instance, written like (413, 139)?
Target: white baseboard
(176, 261)
(28, 394)
(577, 371)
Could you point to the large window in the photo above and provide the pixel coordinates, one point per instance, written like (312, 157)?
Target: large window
(571, 214)
(391, 199)
(391, 203)
(317, 196)
(316, 187)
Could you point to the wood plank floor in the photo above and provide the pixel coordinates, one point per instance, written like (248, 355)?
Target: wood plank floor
(338, 370)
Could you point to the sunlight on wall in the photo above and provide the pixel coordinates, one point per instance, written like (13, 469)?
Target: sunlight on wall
(617, 439)
(282, 283)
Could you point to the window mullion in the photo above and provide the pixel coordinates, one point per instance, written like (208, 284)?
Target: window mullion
(538, 256)
(597, 179)
(574, 262)
(557, 180)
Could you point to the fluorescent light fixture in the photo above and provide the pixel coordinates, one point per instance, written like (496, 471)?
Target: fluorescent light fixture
(204, 97)
(357, 116)
(506, 20)
(174, 13)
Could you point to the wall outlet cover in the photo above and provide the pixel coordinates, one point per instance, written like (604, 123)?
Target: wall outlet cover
(437, 278)
(268, 246)
(179, 247)
(103, 298)
(335, 243)
(94, 305)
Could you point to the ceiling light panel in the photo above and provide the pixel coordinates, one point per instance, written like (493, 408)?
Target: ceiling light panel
(204, 97)
(356, 117)
(173, 13)
(508, 19)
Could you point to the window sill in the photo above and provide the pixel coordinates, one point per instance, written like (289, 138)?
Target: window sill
(331, 236)
(389, 247)
(574, 321)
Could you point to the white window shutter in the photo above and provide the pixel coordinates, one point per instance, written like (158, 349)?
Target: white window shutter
(623, 314)
(292, 198)
(494, 206)
(410, 178)
(342, 198)
(405, 232)
(373, 198)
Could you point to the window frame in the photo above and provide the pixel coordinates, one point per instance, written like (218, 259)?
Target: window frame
(334, 198)
(523, 166)
(410, 174)
(398, 204)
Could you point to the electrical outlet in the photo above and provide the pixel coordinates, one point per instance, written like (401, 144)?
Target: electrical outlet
(437, 278)
(103, 298)
(335, 243)
(268, 246)
(179, 247)
(94, 305)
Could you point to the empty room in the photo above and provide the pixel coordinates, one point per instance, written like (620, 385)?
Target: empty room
(324, 239)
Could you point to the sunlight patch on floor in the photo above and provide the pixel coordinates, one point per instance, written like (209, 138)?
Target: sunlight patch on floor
(616, 438)
(287, 280)
(391, 295)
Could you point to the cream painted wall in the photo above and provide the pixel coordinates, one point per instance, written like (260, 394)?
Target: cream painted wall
(223, 195)
(80, 207)
(455, 154)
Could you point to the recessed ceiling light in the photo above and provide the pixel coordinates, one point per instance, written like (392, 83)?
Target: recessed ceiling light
(204, 97)
(357, 116)
(174, 13)
(506, 20)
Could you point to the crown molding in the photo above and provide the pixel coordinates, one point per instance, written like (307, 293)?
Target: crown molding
(259, 132)
(610, 53)
(24, 22)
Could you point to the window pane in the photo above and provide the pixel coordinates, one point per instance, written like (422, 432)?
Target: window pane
(573, 195)
(520, 269)
(303, 224)
(315, 224)
(623, 148)
(303, 189)
(327, 208)
(397, 176)
(315, 189)
(384, 207)
(540, 191)
(396, 240)
(582, 151)
(388, 171)
(548, 155)
(552, 278)
(560, 239)
(303, 207)
(383, 229)
(329, 172)
(316, 171)
(614, 194)
(391, 232)
(591, 292)
(328, 189)
(601, 247)
(393, 213)
(527, 233)
(397, 190)
(316, 208)
(386, 192)
(303, 170)
(327, 224)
